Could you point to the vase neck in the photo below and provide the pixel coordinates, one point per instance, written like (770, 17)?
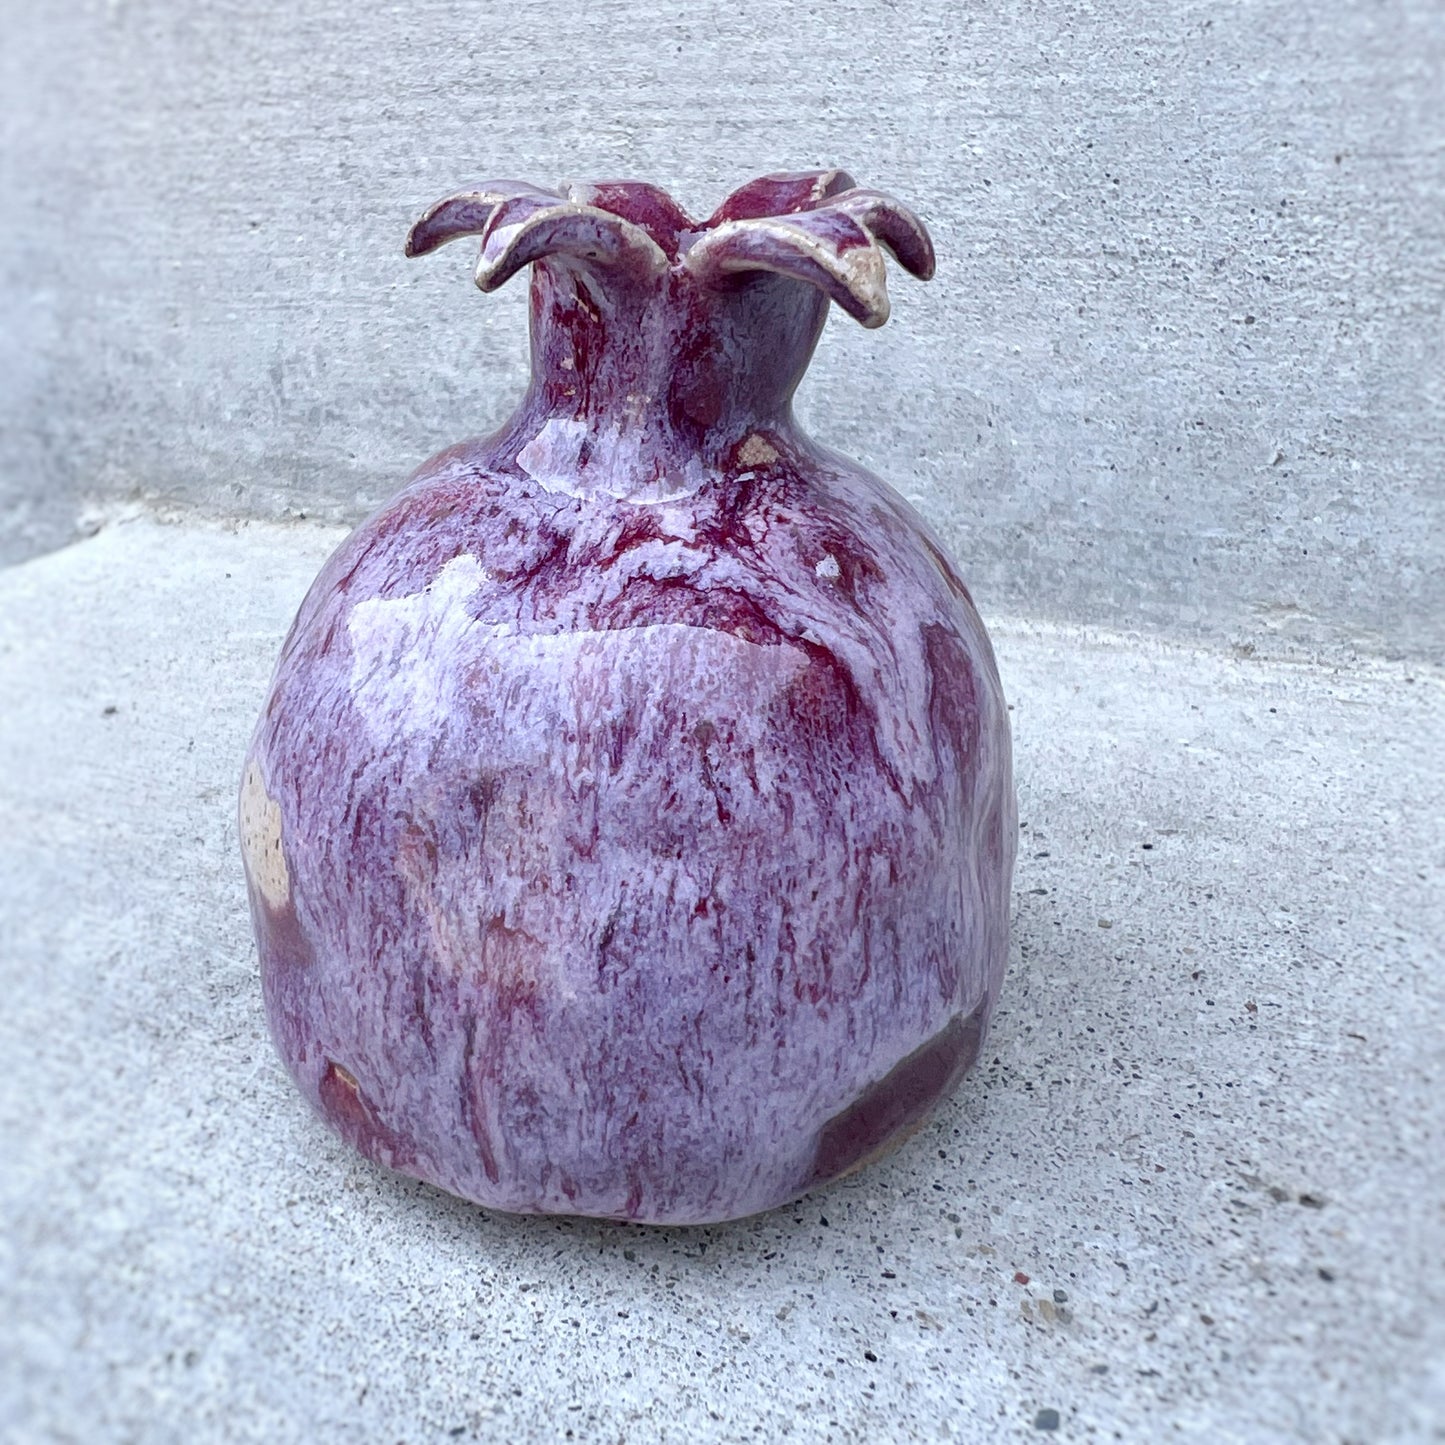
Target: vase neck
(645, 384)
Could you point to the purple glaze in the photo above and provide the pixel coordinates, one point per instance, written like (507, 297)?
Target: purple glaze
(630, 825)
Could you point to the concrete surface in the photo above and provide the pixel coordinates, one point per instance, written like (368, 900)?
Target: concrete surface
(1183, 365)
(1195, 1193)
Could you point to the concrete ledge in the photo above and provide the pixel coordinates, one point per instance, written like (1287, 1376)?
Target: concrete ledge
(1195, 1193)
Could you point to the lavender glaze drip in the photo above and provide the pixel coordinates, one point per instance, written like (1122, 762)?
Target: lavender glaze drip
(630, 825)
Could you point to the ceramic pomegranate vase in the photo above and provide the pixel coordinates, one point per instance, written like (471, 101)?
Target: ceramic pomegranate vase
(630, 824)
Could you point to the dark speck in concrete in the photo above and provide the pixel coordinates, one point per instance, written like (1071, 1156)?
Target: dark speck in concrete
(1046, 1420)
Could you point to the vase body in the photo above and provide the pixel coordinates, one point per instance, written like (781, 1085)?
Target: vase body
(630, 824)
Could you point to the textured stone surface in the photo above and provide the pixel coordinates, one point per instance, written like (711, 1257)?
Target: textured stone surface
(1194, 1192)
(1182, 366)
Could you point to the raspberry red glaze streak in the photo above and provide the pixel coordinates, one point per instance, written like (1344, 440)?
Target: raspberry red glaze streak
(630, 824)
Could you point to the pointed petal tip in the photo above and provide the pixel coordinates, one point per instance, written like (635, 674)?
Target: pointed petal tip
(421, 237)
(914, 251)
(923, 261)
(435, 229)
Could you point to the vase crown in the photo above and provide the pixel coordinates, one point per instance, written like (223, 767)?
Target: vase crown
(682, 335)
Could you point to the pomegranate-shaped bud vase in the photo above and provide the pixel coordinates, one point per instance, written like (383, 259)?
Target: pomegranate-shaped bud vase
(630, 823)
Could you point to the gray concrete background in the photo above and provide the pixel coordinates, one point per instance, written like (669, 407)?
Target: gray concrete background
(1195, 1192)
(1182, 368)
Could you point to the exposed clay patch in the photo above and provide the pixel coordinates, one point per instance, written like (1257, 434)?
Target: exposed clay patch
(352, 1116)
(889, 1111)
(757, 451)
(260, 825)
